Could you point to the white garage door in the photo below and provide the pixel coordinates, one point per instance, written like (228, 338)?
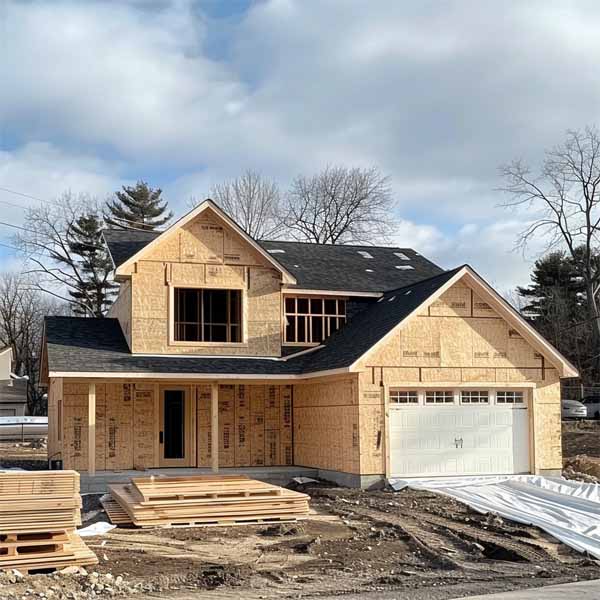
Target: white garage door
(458, 432)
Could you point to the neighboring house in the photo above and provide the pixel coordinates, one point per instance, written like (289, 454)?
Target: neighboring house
(360, 362)
(5, 363)
(13, 389)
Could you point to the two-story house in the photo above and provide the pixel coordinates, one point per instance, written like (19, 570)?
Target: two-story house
(222, 351)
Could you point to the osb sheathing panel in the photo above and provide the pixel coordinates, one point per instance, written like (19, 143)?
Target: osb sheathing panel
(547, 425)
(255, 425)
(458, 340)
(55, 404)
(197, 261)
(121, 310)
(119, 445)
(449, 335)
(326, 425)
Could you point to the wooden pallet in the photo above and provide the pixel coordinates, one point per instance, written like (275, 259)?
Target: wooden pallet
(31, 544)
(206, 501)
(71, 552)
(39, 512)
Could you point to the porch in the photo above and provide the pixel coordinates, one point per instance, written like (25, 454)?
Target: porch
(98, 483)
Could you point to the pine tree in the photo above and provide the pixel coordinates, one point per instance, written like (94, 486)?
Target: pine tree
(556, 306)
(94, 290)
(137, 207)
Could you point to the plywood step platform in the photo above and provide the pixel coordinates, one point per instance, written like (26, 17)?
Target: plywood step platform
(203, 501)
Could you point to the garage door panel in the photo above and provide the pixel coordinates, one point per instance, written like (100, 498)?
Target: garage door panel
(424, 440)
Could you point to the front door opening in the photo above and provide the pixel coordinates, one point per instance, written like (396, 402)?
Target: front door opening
(174, 424)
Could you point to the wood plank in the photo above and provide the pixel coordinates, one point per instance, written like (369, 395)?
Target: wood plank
(214, 426)
(206, 501)
(92, 429)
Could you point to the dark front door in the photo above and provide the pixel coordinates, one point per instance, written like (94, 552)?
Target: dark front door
(173, 428)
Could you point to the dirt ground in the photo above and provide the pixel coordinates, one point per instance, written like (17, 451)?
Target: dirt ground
(581, 450)
(416, 544)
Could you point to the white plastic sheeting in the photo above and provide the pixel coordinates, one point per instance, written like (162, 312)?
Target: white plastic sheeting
(567, 510)
(98, 528)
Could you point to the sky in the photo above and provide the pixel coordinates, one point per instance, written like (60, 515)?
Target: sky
(183, 94)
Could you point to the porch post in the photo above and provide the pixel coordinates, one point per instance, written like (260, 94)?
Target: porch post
(92, 429)
(214, 426)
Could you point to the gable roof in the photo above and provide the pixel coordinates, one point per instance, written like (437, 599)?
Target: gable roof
(314, 266)
(202, 207)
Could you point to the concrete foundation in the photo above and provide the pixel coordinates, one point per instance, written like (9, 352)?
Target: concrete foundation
(98, 483)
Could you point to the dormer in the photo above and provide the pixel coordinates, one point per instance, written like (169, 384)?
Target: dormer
(203, 286)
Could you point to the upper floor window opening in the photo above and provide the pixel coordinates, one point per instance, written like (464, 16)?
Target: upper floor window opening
(207, 315)
(311, 320)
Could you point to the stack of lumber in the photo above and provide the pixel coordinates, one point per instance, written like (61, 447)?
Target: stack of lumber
(39, 514)
(203, 501)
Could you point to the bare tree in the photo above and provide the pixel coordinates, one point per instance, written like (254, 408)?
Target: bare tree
(340, 205)
(565, 199)
(254, 202)
(22, 312)
(68, 264)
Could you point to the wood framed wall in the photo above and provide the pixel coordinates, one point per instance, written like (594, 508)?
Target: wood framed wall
(254, 423)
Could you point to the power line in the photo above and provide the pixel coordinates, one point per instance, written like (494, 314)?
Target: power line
(11, 247)
(9, 191)
(17, 227)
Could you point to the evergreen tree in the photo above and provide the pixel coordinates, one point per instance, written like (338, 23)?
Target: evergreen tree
(556, 306)
(94, 289)
(137, 207)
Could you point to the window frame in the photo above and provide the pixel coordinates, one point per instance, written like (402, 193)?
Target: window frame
(479, 395)
(243, 320)
(457, 393)
(414, 393)
(309, 315)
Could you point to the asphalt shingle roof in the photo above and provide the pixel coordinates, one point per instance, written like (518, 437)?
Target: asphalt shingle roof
(344, 268)
(124, 243)
(77, 344)
(315, 266)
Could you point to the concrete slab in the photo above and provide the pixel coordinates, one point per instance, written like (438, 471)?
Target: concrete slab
(98, 483)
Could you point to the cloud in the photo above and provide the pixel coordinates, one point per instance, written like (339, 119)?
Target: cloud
(44, 171)
(99, 93)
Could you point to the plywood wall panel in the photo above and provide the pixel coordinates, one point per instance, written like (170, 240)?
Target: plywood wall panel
(119, 427)
(144, 418)
(326, 425)
(121, 309)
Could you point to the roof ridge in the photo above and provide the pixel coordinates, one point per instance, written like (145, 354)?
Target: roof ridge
(372, 246)
(410, 285)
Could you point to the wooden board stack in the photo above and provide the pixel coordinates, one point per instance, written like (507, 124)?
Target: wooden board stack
(39, 514)
(203, 501)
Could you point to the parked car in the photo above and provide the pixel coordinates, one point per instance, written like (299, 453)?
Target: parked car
(573, 409)
(592, 403)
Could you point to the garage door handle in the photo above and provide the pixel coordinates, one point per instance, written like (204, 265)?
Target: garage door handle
(458, 442)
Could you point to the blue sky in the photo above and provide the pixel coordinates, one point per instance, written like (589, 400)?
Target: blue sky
(185, 94)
